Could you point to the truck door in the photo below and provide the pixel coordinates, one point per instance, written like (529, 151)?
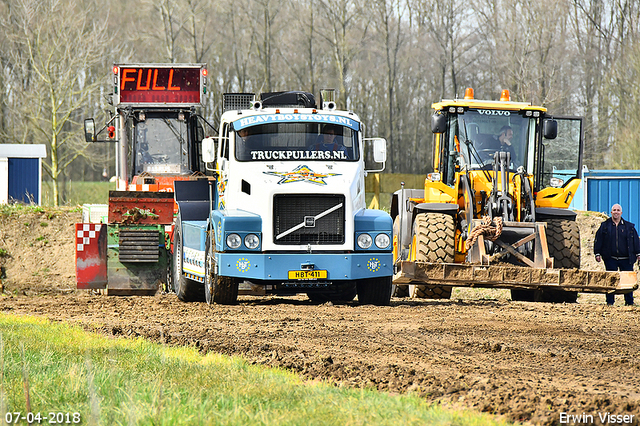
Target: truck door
(223, 165)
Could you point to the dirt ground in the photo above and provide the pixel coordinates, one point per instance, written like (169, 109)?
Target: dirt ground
(528, 362)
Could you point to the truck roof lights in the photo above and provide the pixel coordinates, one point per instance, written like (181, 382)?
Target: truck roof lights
(505, 96)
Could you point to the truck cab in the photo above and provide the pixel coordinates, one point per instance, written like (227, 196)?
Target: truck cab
(288, 205)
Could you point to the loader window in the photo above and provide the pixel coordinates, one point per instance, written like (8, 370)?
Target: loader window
(561, 156)
(480, 133)
(160, 141)
(296, 141)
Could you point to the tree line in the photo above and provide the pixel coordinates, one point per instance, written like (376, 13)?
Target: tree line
(388, 60)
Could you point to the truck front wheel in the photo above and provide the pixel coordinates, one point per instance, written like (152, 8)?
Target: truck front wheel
(222, 290)
(374, 291)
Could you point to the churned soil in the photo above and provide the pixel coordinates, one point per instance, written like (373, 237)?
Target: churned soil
(529, 362)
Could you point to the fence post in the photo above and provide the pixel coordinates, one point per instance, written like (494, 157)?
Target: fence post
(375, 202)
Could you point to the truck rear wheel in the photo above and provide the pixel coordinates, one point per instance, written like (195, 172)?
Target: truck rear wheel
(374, 291)
(434, 239)
(187, 290)
(563, 237)
(222, 290)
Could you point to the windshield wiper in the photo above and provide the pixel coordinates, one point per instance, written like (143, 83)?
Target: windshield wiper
(177, 134)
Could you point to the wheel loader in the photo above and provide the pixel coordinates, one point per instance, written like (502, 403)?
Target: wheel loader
(495, 210)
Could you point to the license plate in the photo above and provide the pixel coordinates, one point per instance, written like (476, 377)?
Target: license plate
(308, 275)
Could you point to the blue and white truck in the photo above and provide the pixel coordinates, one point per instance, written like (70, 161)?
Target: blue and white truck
(283, 207)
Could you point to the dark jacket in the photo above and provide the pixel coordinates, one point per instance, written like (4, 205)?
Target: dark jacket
(607, 245)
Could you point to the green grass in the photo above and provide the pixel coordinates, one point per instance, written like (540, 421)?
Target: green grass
(132, 381)
(78, 193)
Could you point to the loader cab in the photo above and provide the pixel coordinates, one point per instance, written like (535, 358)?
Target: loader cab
(164, 143)
(473, 136)
(549, 148)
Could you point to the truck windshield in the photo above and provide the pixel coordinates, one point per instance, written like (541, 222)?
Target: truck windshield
(480, 133)
(161, 146)
(296, 141)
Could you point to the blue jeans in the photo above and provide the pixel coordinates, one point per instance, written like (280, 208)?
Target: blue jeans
(622, 265)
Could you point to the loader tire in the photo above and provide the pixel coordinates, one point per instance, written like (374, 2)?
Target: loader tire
(187, 290)
(374, 291)
(563, 237)
(343, 292)
(435, 242)
(217, 289)
(400, 291)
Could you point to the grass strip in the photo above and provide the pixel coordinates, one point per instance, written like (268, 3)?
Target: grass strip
(57, 368)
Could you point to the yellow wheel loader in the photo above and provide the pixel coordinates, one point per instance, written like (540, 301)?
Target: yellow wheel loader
(494, 212)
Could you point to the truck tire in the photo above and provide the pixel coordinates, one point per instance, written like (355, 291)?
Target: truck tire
(563, 237)
(342, 292)
(374, 291)
(187, 290)
(217, 289)
(434, 236)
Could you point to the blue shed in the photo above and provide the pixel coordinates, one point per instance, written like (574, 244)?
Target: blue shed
(21, 173)
(605, 188)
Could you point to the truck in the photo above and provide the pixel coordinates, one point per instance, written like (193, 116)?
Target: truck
(284, 210)
(124, 247)
(495, 210)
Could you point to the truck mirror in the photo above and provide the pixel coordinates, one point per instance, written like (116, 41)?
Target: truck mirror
(379, 150)
(550, 129)
(208, 150)
(438, 123)
(89, 130)
(379, 146)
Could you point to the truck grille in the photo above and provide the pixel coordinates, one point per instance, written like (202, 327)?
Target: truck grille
(308, 215)
(139, 245)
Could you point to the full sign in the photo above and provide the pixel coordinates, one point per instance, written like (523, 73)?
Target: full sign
(159, 85)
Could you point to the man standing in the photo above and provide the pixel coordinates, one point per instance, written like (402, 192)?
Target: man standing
(618, 245)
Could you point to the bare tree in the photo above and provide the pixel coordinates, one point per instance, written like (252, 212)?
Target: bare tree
(57, 43)
(347, 31)
(195, 28)
(172, 25)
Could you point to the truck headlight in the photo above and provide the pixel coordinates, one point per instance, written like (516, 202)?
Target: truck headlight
(382, 241)
(364, 241)
(251, 241)
(234, 241)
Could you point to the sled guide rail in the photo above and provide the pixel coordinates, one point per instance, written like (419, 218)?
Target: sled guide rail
(510, 277)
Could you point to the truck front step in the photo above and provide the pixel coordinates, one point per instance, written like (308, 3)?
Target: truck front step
(464, 275)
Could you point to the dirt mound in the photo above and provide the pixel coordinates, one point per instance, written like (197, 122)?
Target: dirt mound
(39, 251)
(530, 362)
